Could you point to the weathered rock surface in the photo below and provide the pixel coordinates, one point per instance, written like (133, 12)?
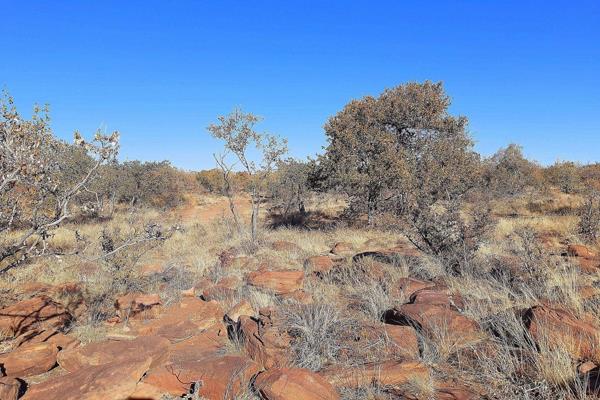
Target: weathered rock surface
(29, 359)
(220, 377)
(138, 305)
(10, 388)
(114, 381)
(557, 328)
(153, 348)
(434, 320)
(319, 265)
(392, 374)
(205, 344)
(342, 249)
(264, 343)
(38, 312)
(294, 384)
(182, 320)
(59, 339)
(279, 281)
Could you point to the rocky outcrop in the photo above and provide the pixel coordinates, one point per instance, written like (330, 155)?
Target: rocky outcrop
(219, 377)
(278, 281)
(10, 388)
(138, 305)
(263, 342)
(342, 249)
(35, 313)
(587, 260)
(555, 328)
(319, 265)
(435, 321)
(153, 348)
(391, 374)
(29, 359)
(294, 384)
(115, 381)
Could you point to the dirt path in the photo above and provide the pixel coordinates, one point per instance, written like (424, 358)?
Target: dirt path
(203, 209)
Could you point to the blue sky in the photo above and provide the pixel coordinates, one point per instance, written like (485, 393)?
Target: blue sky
(161, 71)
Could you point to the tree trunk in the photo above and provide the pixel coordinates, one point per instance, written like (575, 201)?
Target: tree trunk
(255, 210)
(233, 212)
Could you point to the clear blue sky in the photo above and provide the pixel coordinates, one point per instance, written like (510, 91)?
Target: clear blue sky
(160, 72)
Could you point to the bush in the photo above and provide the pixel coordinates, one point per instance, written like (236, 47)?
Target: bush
(565, 176)
(508, 172)
(37, 188)
(212, 181)
(403, 153)
(400, 150)
(589, 217)
(289, 186)
(155, 184)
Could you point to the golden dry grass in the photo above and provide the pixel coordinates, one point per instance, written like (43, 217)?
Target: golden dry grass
(357, 297)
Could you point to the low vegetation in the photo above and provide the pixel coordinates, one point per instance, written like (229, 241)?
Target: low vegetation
(398, 264)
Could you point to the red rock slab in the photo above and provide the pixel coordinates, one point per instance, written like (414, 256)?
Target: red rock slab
(438, 298)
(557, 328)
(145, 347)
(342, 248)
(294, 384)
(182, 320)
(37, 312)
(138, 305)
(220, 377)
(279, 281)
(389, 373)
(319, 265)
(10, 388)
(403, 340)
(243, 307)
(29, 360)
(434, 320)
(408, 286)
(579, 250)
(205, 344)
(59, 339)
(114, 381)
(264, 344)
(225, 288)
